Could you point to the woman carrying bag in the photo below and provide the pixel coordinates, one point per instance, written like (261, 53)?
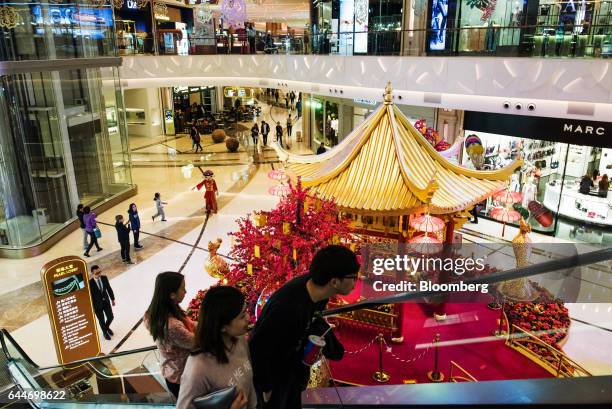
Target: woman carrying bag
(220, 358)
(91, 227)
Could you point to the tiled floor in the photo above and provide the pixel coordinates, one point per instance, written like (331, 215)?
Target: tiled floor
(162, 165)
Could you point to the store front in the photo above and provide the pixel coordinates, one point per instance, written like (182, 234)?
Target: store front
(573, 28)
(332, 119)
(557, 153)
(174, 25)
(508, 27)
(184, 99)
(134, 27)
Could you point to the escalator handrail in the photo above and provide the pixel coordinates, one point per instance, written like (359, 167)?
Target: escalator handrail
(6, 334)
(534, 269)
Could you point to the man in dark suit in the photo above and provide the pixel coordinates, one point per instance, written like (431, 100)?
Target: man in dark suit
(101, 297)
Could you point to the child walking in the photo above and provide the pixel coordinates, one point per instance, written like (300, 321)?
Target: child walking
(160, 207)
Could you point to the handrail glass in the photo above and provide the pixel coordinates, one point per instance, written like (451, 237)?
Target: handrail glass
(500, 41)
(133, 377)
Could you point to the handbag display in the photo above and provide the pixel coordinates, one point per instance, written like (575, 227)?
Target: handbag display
(540, 213)
(221, 399)
(97, 232)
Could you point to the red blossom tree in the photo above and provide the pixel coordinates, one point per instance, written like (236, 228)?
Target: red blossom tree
(286, 239)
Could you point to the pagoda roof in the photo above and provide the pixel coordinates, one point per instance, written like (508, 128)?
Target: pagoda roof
(386, 167)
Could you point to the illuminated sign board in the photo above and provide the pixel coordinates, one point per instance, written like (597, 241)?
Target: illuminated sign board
(131, 4)
(70, 309)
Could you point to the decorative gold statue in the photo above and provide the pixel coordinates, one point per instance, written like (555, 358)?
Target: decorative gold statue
(215, 266)
(520, 289)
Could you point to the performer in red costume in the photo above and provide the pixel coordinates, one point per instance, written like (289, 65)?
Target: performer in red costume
(210, 195)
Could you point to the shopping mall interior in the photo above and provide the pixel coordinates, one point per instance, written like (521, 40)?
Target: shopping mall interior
(240, 137)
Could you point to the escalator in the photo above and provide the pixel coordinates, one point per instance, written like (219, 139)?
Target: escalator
(132, 378)
(117, 380)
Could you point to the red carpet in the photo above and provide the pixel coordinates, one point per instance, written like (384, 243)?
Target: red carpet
(486, 359)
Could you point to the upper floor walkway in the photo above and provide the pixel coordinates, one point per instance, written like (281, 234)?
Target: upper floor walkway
(580, 89)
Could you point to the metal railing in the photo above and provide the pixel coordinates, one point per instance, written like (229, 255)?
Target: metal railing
(515, 41)
(464, 377)
(548, 357)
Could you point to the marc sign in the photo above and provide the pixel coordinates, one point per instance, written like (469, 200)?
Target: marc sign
(572, 131)
(584, 129)
(73, 323)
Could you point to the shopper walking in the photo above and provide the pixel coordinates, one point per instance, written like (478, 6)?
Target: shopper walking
(265, 130)
(254, 133)
(135, 224)
(195, 140)
(170, 327)
(91, 227)
(159, 205)
(292, 99)
(123, 236)
(289, 125)
(79, 214)
(279, 133)
(276, 96)
(251, 33)
(294, 311)
(221, 354)
(321, 149)
(102, 297)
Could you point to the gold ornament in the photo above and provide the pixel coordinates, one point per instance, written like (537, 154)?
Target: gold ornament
(216, 267)
(142, 3)
(256, 251)
(286, 228)
(250, 269)
(117, 4)
(160, 9)
(520, 289)
(9, 17)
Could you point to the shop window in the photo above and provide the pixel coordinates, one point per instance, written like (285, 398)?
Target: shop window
(549, 182)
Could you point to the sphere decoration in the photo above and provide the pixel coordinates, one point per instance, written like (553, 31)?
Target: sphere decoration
(427, 224)
(280, 190)
(9, 17)
(234, 12)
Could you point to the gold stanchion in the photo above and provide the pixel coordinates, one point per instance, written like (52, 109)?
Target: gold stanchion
(435, 375)
(499, 332)
(380, 375)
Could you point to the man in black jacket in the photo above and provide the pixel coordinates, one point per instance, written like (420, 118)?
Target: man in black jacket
(101, 297)
(289, 317)
(265, 130)
(123, 236)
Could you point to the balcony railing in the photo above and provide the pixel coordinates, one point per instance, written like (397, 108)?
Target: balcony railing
(513, 41)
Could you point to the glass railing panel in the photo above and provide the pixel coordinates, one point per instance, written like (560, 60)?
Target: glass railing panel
(490, 324)
(494, 40)
(130, 378)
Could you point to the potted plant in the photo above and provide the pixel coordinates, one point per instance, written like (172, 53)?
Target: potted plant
(218, 135)
(232, 144)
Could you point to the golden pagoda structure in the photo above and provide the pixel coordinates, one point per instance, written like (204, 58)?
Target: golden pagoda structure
(385, 167)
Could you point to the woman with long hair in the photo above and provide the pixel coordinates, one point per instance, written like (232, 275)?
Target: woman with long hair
(220, 357)
(170, 327)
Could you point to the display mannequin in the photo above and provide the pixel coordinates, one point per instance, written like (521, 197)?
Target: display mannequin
(530, 191)
(515, 185)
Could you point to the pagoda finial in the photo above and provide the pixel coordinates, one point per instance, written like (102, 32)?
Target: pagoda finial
(387, 96)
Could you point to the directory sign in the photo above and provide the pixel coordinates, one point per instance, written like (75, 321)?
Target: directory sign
(66, 285)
